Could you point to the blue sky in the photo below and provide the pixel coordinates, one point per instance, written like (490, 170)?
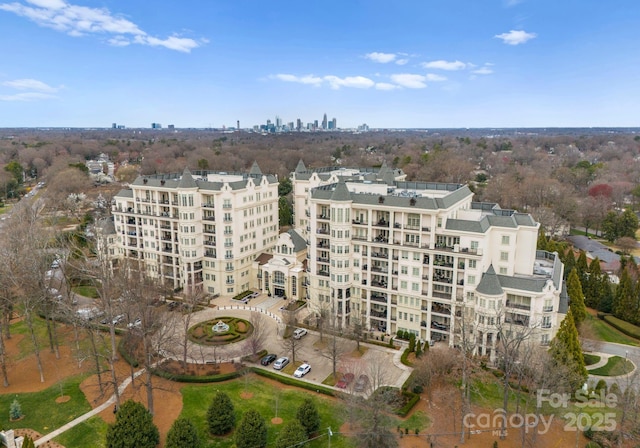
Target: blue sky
(418, 63)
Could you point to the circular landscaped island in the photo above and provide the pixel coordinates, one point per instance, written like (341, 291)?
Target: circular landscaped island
(220, 331)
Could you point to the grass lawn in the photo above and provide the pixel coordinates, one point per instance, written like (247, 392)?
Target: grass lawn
(42, 413)
(266, 399)
(26, 345)
(91, 433)
(87, 291)
(605, 332)
(616, 366)
(590, 360)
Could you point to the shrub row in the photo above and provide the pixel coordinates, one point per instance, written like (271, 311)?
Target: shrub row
(623, 326)
(290, 381)
(182, 378)
(404, 359)
(412, 400)
(242, 295)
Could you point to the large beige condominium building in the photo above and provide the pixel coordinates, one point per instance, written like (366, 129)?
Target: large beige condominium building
(199, 232)
(423, 257)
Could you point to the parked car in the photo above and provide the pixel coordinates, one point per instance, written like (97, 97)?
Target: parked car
(299, 332)
(347, 378)
(135, 323)
(173, 305)
(361, 383)
(265, 361)
(119, 318)
(302, 370)
(281, 363)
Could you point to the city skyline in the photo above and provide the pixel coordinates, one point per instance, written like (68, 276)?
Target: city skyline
(504, 63)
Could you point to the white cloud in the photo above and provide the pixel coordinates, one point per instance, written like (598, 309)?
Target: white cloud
(514, 37)
(79, 21)
(434, 77)
(359, 82)
(445, 65)
(483, 71)
(26, 96)
(308, 79)
(382, 58)
(402, 61)
(30, 84)
(386, 86)
(409, 80)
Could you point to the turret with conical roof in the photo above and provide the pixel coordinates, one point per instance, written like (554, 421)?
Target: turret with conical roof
(187, 180)
(341, 193)
(300, 167)
(490, 284)
(255, 170)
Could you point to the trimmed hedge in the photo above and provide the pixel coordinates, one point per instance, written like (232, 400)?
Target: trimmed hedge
(290, 381)
(181, 378)
(404, 359)
(412, 400)
(242, 295)
(256, 358)
(623, 326)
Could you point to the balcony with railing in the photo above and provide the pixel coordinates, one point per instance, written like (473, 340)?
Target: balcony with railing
(209, 218)
(547, 309)
(380, 254)
(441, 309)
(208, 204)
(516, 319)
(323, 273)
(322, 260)
(382, 223)
(357, 222)
(442, 295)
(210, 242)
(359, 237)
(228, 257)
(324, 217)
(210, 253)
(227, 219)
(546, 325)
(323, 231)
(228, 244)
(379, 298)
(378, 314)
(518, 306)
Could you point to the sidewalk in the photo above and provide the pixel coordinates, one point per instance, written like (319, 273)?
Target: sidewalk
(89, 414)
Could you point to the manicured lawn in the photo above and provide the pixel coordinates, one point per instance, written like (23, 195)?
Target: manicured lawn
(41, 412)
(605, 332)
(88, 433)
(265, 399)
(590, 360)
(616, 366)
(86, 291)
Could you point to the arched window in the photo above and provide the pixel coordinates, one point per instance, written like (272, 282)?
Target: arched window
(278, 278)
(283, 249)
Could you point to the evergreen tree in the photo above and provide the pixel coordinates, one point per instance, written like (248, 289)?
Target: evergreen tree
(418, 349)
(308, 416)
(542, 239)
(569, 262)
(625, 303)
(412, 343)
(610, 227)
(252, 431)
(134, 428)
(565, 350)
(576, 298)
(292, 434)
(182, 434)
(28, 443)
(627, 224)
(221, 416)
(591, 288)
(582, 267)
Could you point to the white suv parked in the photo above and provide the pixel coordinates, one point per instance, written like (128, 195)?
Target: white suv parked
(299, 332)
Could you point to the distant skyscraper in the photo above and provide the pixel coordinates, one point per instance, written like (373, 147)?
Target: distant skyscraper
(114, 126)
(278, 122)
(298, 124)
(156, 126)
(324, 122)
(334, 122)
(315, 124)
(238, 125)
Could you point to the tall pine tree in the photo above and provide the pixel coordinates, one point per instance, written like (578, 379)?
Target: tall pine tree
(591, 289)
(582, 267)
(565, 350)
(576, 298)
(625, 302)
(251, 431)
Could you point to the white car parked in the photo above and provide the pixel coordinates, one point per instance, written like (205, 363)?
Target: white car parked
(302, 370)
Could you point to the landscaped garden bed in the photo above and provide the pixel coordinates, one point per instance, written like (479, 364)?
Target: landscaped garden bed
(205, 334)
